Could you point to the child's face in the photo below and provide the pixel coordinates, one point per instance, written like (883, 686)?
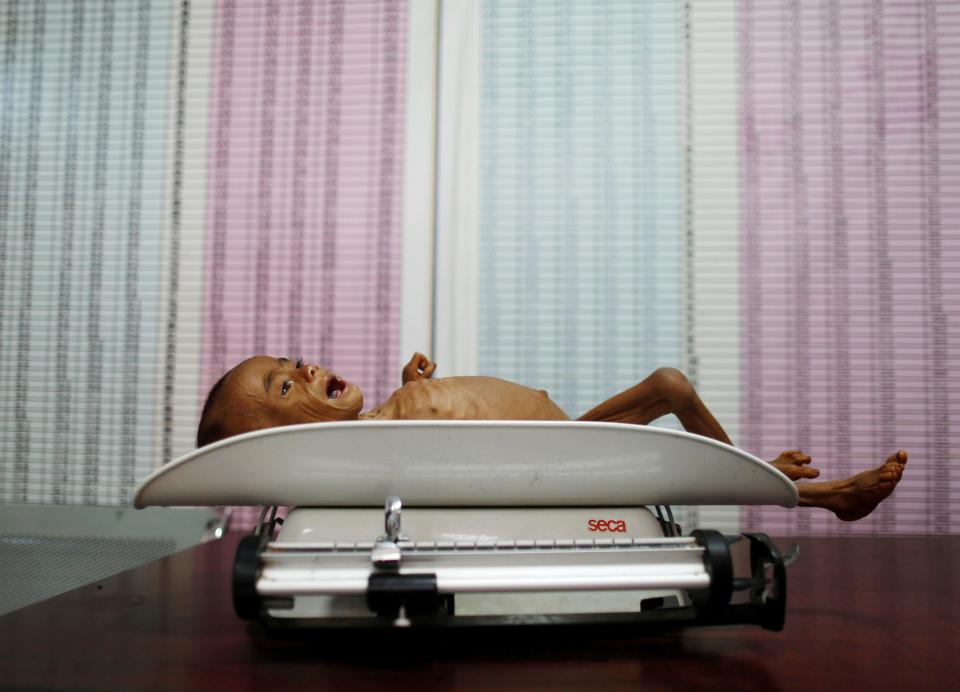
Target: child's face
(264, 392)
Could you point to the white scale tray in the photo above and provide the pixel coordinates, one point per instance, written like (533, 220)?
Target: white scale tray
(466, 463)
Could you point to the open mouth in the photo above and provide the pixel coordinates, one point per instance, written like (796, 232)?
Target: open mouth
(335, 387)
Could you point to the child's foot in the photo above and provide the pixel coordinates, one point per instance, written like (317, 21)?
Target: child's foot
(860, 494)
(793, 464)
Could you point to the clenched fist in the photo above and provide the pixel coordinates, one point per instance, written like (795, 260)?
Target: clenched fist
(419, 368)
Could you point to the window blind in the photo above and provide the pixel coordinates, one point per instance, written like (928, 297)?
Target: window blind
(850, 143)
(581, 229)
(83, 141)
(759, 193)
(183, 185)
(302, 254)
(304, 189)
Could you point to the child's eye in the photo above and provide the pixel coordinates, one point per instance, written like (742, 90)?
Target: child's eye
(285, 387)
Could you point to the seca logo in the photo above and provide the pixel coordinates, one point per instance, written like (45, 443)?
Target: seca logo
(609, 525)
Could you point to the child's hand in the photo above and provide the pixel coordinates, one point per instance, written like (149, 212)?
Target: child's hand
(419, 368)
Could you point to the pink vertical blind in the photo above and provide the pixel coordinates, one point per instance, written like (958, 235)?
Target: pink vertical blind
(850, 173)
(303, 225)
(302, 242)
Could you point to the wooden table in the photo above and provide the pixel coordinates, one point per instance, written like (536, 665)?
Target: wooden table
(863, 613)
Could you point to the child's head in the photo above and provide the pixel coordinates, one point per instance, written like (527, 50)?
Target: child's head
(265, 392)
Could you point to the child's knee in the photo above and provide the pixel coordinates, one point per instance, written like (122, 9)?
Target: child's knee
(673, 386)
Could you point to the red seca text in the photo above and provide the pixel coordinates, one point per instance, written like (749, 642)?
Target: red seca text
(608, 525)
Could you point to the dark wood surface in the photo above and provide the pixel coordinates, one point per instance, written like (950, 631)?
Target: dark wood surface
(863, 613)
